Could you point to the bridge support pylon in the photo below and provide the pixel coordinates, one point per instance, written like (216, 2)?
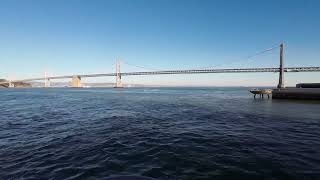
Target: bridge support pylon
(118, 76)
(46, 80)
(76, 81)
(281, 69)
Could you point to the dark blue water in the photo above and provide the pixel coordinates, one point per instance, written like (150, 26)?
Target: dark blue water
(165, 133)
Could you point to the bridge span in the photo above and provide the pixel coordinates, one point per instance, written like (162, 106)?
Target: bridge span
(190, 71)
(76, 79)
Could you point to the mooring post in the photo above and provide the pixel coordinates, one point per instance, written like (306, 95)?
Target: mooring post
(281, 69)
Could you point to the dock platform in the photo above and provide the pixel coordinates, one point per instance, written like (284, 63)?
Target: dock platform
(296, 93)
(261, 92)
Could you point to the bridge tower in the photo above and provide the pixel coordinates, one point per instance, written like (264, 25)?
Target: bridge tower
(118, 75)
(76, 81)
(281, 69)
(46, 80)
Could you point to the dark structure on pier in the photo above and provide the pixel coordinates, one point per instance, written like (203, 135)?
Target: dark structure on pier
(296, 93)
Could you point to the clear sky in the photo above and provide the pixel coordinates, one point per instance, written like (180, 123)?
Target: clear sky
(76, 37)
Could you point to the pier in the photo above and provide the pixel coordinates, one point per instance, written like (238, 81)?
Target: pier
(261, 92)
(297, 93)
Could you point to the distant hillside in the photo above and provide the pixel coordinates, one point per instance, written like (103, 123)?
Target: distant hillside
(22, 84)
(16, 84)
(68, 84)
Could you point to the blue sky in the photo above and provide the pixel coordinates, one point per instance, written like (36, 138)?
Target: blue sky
(77, 37)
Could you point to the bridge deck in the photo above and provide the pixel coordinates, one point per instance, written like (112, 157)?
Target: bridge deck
(191, 71)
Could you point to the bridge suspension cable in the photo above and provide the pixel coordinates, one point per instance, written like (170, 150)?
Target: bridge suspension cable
(250, 57)
(142, 67)
(210, 67)
(262, 52)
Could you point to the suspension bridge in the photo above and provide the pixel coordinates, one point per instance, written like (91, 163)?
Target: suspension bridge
(76, 79)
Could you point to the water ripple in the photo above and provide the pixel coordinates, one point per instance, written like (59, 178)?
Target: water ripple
(166, 133)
